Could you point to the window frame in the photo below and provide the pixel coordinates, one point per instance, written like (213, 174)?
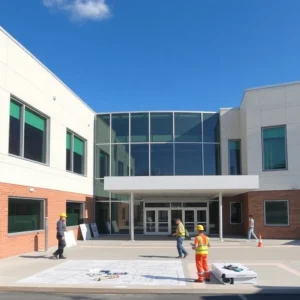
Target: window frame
(235, 140)
(288, 214)
(73, 135)
(262, 148)
(230, 211)
(82, 211)
(43, 217)
(23, 107)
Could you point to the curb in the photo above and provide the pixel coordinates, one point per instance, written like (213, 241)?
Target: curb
(125, 291)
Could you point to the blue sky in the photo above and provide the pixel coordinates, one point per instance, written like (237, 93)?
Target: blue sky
(122, 55)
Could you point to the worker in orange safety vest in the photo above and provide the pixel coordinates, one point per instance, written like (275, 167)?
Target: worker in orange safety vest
(201, 246)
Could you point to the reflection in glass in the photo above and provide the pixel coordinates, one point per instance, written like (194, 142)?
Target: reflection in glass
(138, 217)
(161, 127)
(161, 159)
(188, 159)
(99, 191)
(212, 165)
(102, 160)
(211, 128)
(277, 213)
(102, 129)
(119, 160)
(150, 221)
(139, 127)
(120, 218)
(235, 212)
(201, 218)
(120, 128)
(118, 197)
(140, 159)
(213, 217)
(102, 217)
(274, 148)
(234, 157)
(188, 127)
(175, 214)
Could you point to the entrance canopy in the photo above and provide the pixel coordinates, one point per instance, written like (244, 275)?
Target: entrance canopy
(209, 186)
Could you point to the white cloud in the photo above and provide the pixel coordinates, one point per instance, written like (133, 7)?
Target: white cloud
(81, 9)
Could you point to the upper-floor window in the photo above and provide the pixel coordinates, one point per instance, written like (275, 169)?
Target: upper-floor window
(274, 148)
(75, 153)
(234, 148)
(27, 132)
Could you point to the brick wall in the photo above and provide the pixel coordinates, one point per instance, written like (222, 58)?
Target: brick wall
(256, 208)
(16, 244)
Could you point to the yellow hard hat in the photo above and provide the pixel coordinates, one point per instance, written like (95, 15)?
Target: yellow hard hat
(63, 215)
(200, 227)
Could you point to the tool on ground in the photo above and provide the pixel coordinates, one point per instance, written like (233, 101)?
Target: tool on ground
(233, 268)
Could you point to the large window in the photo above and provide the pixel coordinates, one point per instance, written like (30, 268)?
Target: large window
(75, 153)
(234, 148)
(139, 127)
(102, 160)
(274, 148)
(276, 213)
(211, 128)
(75, 213)
(161, 127)
(119, 160)
(235, 212)
(120, 128)
(25, 215)
(102, 129)
(161, 159)
(212, 163)
(188, 127)
(27, 133)
(188, 159)
(140, 159)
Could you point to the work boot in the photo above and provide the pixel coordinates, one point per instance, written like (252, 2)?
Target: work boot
(62, 257)
(185, 255)
(207, 279)
(55, 256)
(179, 257)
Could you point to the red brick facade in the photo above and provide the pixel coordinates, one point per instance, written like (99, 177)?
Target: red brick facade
(16, 244)
(253, 203)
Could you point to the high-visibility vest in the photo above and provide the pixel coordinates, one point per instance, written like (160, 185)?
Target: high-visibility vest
(180, 230)
(203, 242)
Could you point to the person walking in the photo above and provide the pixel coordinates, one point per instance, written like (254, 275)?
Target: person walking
(251, 228)
(60, 235)
(180, 236)
(200, 246)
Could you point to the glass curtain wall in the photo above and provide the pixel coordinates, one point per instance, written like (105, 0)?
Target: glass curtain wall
(150, 144)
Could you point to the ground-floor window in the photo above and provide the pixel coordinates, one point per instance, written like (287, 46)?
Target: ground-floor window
(75, 213)
(276, 213)
(235, 212)
(25, 214)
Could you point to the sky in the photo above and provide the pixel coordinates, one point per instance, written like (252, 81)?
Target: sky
(139, 55)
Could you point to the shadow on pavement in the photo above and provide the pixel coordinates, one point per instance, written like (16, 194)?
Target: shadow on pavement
(293, 243)
(35, 256)
(156, 256)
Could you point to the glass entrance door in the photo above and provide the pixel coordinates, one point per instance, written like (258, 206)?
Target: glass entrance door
(189, 220)
(194, 217)
(157, 221)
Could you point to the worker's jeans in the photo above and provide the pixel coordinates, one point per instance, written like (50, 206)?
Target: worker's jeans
(180, 248)
(251, 233)
(61, 246)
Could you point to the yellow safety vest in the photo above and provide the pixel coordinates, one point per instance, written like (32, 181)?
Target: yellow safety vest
(180, 230)
(203, 242)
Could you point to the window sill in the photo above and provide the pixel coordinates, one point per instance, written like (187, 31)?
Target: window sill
(82, 175)
(29, 160)
(236, 223)
(275, 170)
(277, 225)
(15, 234)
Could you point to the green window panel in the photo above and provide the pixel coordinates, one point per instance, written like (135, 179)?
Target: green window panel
(78, 145)
(33, 119)
(274, 148)
(15, 109)
(69, 136)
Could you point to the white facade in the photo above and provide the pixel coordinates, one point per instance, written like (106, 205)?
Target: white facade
(264, 107)
(24, 77)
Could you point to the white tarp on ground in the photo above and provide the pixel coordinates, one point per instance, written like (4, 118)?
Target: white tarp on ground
(140, 272)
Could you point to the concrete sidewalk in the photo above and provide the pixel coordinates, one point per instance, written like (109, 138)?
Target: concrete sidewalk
(152, 266)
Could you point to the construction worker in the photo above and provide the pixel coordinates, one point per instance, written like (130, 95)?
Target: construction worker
(200, 246)
(60, 235)
(180, 236)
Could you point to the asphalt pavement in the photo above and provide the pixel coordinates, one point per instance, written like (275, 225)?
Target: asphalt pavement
(42, 296)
